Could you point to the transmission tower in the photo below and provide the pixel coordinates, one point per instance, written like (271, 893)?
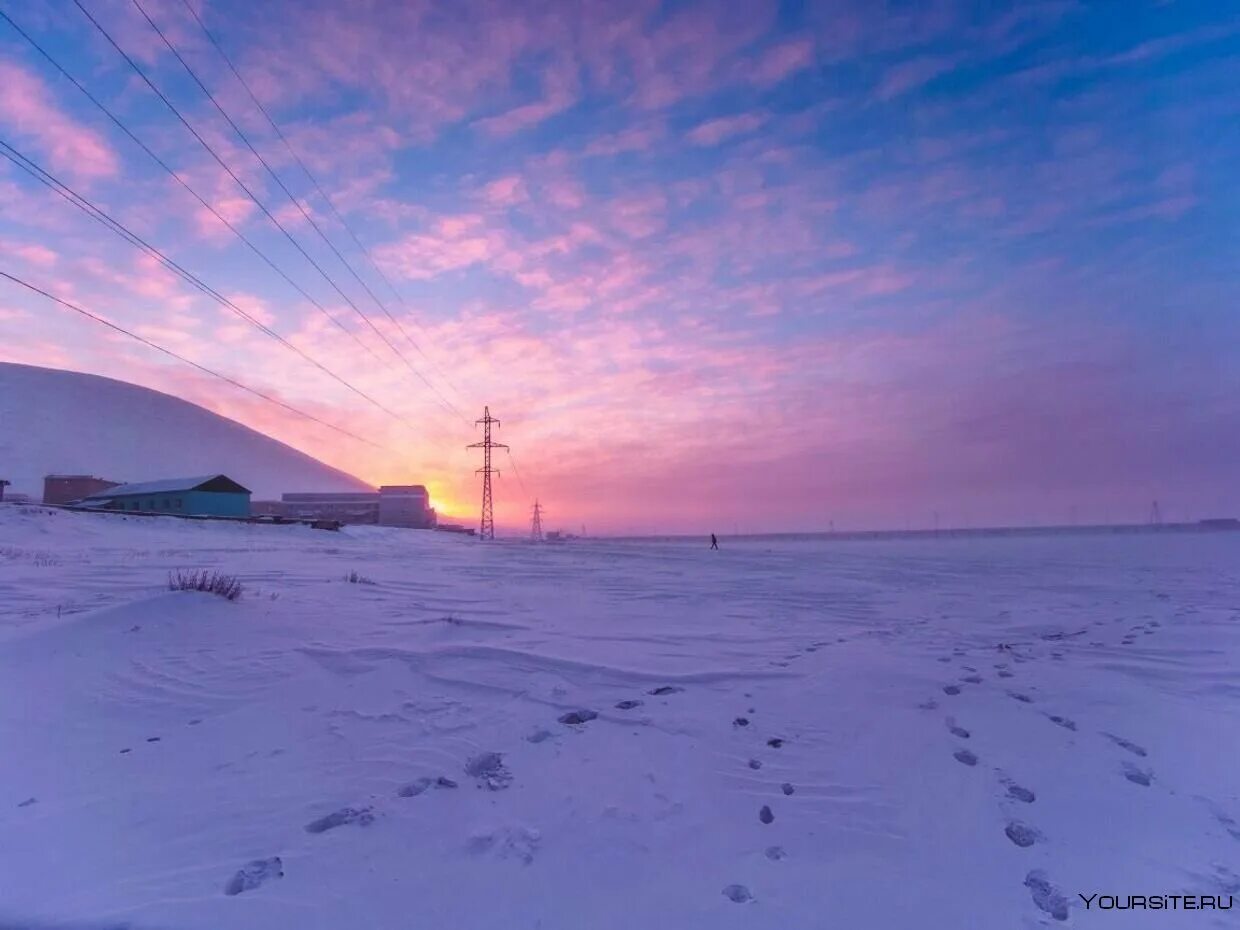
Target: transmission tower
(487, 530)
(536, 533)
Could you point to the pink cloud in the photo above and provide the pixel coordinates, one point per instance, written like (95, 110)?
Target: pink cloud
(910, 75)
(27, 106)
(560, 90)
(505, 192)
(633, 139)
(714, 131)
(781, 61)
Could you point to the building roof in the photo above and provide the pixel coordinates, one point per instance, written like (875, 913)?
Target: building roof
(218, 483)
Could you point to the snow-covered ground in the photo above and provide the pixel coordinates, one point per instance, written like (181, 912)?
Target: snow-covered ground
(903, 734)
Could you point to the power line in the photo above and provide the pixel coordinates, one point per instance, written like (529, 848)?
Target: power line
(181, 358)
(181, 181)
(322, 193)
(101, 216)
(280, 183)
(516, 471)
(210, 151)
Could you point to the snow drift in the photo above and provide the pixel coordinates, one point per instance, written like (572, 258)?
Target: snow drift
(66, 422)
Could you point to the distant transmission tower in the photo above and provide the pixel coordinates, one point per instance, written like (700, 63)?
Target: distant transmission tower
(487, 530)
(536, 525)
(1155, 514)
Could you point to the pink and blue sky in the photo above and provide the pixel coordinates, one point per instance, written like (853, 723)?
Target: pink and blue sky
(756, 265)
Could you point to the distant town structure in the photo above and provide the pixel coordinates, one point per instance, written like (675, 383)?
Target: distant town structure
(407, 505)
(208, 495)
(3, 484)
(66, 489)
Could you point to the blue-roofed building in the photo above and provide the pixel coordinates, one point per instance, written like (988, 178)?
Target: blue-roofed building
(206, 496)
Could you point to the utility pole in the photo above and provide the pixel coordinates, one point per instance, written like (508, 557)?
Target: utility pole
(536, 525)
(1155, 514)
(487, 530)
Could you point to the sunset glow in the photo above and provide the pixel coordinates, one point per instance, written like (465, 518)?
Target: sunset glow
(716, 266)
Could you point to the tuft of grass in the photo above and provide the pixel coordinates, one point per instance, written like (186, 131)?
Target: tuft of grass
(355, 578)
(226, 586)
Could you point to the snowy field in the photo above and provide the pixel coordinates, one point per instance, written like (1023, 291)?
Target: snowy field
(910, 734)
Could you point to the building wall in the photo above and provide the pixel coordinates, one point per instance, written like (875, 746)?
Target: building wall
(64, 489)
(198, 503)
(405, 505)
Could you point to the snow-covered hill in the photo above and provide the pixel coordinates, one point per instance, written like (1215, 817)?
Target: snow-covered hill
(71, 423)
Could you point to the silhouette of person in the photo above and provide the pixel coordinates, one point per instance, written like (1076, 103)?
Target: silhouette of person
(714, 543)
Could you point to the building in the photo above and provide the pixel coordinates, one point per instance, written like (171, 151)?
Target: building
(347, 507)
(405, 505)
(3, 484)
(391, 505)
(65, 489)
(210, 495)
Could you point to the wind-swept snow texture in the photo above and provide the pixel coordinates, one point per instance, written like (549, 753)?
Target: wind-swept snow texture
(517, 736)
(65, 422)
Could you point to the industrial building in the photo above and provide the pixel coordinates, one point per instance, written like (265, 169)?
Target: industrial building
(209, 495)
(66, 489)
(392, 505)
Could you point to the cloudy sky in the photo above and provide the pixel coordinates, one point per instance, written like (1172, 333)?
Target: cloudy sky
(754, 265)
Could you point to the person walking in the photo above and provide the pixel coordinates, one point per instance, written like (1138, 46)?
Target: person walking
(714, 543)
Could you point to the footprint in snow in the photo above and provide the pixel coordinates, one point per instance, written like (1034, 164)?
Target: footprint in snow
(972, 679)
(929, 705)
(253, 874)
(489, 769)
(665, 689)
(775, 742)
(577, 717)
(506, 843)
(787, 788)
(740, 722)
(1126, 744)
(363, 816)
(1023, 698)
(955, 729)
(1021, 834)
(1061, 721)
(1138, 776)
(414, 788)
(1024, 795)
(738, 894)
(1004, 673)
(765, 814)
(28, 802)
(965, 757)
(540, 735)
(951, 689)
(1046, 897)
(775, 853)
(755, 764)
(627, 705)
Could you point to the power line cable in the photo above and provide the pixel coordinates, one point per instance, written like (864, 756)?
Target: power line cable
(516, 471)
(181, 358)
(240, 183)
(101, 216)
(323, 194)
(120, 124)
(296, 203)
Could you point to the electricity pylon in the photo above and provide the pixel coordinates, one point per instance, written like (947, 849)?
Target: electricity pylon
(487, 530)
(536, 532)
